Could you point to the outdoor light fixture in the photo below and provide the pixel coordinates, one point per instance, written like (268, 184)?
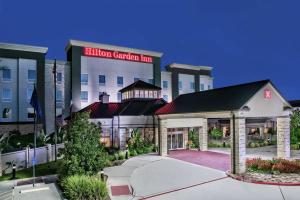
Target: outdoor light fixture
(102, 175)
(245, 108)
(287, 108)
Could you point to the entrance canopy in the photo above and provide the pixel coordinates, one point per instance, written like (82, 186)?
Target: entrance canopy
(238, 103)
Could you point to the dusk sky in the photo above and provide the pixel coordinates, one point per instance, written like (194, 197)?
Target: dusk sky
(244, 41)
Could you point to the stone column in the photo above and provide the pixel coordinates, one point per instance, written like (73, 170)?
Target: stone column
(27, 162)
(203, 136)
(0, 163)
(238, 148)
(156, 136)
(283, 137)
(163, 137)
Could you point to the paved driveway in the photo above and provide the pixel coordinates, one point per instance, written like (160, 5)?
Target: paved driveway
(210, 159)
(164, 178)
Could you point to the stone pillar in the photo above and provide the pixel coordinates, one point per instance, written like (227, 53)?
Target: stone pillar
(156, 136)
(283, 137)
(238, 148)
(49, 153)
(203, 136)
(163, 137)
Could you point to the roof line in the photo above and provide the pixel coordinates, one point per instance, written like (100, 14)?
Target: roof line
(111, 47)
(23, 47)
(192, 67)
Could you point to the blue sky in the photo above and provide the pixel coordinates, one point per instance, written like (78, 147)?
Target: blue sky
(243, 40)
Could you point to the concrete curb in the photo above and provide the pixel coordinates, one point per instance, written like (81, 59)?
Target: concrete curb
(241, 178)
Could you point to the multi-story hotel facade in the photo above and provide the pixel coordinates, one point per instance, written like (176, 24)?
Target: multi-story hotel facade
(89, 70)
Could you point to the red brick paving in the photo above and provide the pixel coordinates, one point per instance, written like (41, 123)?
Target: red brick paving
(120, 190)
(210, 159)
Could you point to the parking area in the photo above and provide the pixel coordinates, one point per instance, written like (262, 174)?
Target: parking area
(215, 160)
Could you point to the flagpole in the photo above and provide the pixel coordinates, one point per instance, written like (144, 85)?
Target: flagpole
(55, 129)
(34, 148)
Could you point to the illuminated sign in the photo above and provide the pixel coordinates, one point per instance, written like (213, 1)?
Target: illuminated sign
(267, 94)
(102, 53)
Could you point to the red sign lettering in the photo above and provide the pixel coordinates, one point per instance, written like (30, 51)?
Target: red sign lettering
(96, 52)
(268, 94)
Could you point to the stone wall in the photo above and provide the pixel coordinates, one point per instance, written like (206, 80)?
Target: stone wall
(23, 128)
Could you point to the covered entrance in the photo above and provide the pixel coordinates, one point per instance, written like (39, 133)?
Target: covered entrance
(175, 140)
(256, 104)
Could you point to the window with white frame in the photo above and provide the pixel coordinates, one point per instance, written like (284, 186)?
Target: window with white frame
(6, 95)
(84, 95)
(84, 79)
(102, 80)
(6, 75)
(202, 87)
(58, 96)
(180, 85)
(31, 76)
(192, 85)
(165, 84)
(58, 77)
(120, 81)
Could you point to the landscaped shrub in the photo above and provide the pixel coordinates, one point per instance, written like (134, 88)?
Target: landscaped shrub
(80, 187)
(216, 133)
(274, 166)
(138, 144)
(194, 137)
(121, 155)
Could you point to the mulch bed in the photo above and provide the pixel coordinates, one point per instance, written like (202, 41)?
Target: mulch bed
(287, 179)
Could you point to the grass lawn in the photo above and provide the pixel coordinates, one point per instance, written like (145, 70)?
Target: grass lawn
(40, 170)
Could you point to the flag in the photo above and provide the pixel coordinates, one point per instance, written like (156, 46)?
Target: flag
(34, 102)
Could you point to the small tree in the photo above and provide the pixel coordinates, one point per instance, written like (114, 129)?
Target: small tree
(83, 152)
(216, 133)
(295, 127)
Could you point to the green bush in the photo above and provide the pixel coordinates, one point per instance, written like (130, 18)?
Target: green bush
(133, 153)
(295, 127)
(121, 155)
(80, 187)
(194, 137)
(138, 144)
(83, 153)
(216, 133)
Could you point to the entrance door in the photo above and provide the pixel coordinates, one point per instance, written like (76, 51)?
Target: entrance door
(175, 140)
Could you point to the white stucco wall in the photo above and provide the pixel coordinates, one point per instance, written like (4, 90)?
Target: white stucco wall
(186, 81)
(207, 81)
(111, 69)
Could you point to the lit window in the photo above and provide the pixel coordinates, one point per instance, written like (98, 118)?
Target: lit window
(180, 85)
(84, 79)
(192, 85)
(201, 87)
(84, 95)
(165, 84)
(165, 97)
(101, 79)
(135, 79)
(142, 94)
(155, 94)
(120, 80)
(146, 94)
(58, 96)
(31, 75)
(6, 113)
(136, 94)
(119, 96)
(150, 94)
(6, 95)
(59, 77)
(29, 93)
(6, 74)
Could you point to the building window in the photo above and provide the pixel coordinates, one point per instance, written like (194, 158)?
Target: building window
(84, 95)
(6, 113)
(6, 76)
(201, 87)
(165, 84)
(136, 94)
(120, 81)
(208, 87)
(155, 94)
(6, 95)
(135, 79)
(119, 96)
(180, 85)
(84, 79)
(146, 93)
(58, 96)
(150, 94)
(192, 85)
(101, 79)
(30, 113)
(58, 77)
(31, 75)
(165, 97)
(29, 94)
(150, 81)
(142, 94)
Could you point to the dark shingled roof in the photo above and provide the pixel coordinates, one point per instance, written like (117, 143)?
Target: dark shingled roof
(140, 85)
(295, 103)
(220, 99)
(134, 107)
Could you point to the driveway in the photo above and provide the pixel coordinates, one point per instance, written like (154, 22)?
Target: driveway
(155, 177)
(210, 159)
